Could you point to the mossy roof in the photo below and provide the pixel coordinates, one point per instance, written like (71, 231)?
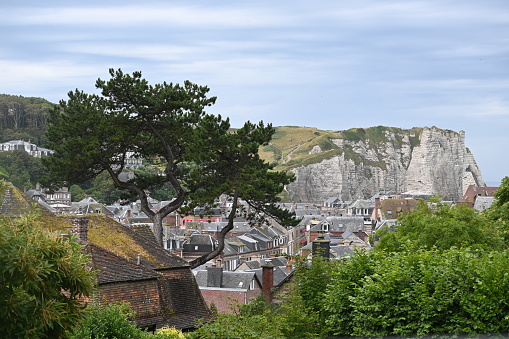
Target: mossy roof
(102, 231)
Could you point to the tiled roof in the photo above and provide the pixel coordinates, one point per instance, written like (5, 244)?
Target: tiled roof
(15, 203)
(113, 268)
(145, 231)
(182, 297)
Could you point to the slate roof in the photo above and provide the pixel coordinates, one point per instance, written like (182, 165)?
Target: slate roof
(252, 264)
(341, 251)
(201, 239)
(233, 280)
(482, 203)
(279, 275)
(277, 261)
(365, 204)
(340, 224)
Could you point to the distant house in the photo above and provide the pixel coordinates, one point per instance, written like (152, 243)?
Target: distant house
(89, 205)
(226, 289)
(473, 192)
(361, 208)
(58, 201)
(27, 146)
(198, 245)
(393, 208)
(332, 203)
(483, 203)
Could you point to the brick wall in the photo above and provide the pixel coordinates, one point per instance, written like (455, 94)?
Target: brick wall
(142, 295)
(226, 300)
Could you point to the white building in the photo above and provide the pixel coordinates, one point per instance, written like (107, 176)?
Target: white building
(30, 148)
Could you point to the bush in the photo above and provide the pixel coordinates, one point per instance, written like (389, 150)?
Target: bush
(42, 278)
(418, 292)
(168, 333)
(107, 321)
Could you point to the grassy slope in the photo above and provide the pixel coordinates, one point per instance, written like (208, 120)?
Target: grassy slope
(291, 145)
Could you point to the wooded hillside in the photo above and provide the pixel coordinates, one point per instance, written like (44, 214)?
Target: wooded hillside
(23, 118)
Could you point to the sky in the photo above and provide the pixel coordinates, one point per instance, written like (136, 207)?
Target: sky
(329, 64)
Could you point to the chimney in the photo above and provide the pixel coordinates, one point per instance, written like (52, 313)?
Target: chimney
(321, 246)
(289, 268)
(80, 228)
(214, 276)
(267, 281)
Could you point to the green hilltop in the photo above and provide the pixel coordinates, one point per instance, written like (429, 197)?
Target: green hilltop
(292, 146)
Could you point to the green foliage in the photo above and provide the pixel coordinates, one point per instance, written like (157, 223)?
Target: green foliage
(346, 279)
(77, 193)
(42, 278)
(168, 333)
(441, 226)
(502, 193)
(261, 320)
(312, 280)
(103, 189)
(108, 321)
(22, 169)
(420, 293)
(498, 213)
(23, 118)
(198, 157)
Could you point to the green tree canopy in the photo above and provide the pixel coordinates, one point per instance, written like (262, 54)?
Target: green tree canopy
(498, 212)
(418, 293)
(42, 278)
(22, 169)
(198, 154)
(435, 224)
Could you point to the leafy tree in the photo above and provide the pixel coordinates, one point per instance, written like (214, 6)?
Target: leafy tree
(200, 157)
(42, 278)
(442, 226)
(24, 170)
(77, 193)
(237, 171)
(103, 189)
(420, 293)
(499, 210)
(23, 118)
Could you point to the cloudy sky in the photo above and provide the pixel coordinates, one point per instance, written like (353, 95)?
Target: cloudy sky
(330, 64)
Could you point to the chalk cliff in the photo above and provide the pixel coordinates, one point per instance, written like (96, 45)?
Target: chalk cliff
(357, 163)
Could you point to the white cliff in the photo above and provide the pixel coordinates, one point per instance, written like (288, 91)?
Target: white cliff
(428, 159)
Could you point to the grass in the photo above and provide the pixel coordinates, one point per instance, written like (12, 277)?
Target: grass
(291, 145)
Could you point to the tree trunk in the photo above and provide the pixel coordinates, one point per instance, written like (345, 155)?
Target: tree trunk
(157, 220)
(220, 239)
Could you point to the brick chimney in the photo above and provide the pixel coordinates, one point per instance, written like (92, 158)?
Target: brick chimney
(321, 246)
(214, 276)
(267, 281)
(80, 228)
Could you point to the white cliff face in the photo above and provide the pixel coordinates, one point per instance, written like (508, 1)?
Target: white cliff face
(437, 163)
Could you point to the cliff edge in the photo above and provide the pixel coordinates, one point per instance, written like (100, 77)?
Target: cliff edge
(357, 163)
